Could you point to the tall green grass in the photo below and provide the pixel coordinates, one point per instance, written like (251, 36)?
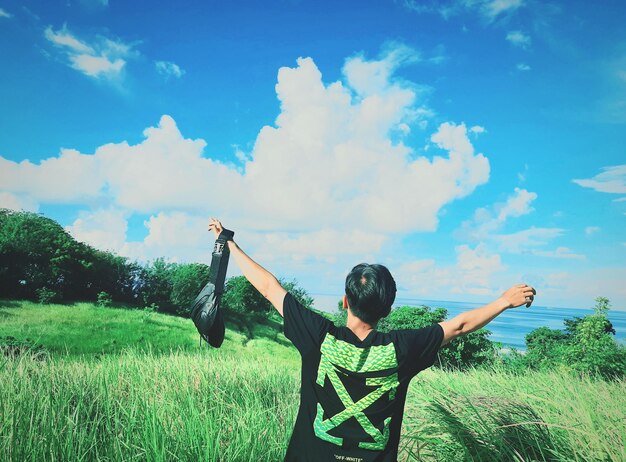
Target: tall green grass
(214, 406)
(495, 415)
(167, 400)
(143, 406)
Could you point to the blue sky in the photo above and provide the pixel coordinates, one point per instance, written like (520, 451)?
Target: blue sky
(466, 144)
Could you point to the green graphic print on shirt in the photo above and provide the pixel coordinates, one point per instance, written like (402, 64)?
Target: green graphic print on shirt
(354, 359)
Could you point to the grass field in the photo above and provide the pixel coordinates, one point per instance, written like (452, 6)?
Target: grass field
(166, 399)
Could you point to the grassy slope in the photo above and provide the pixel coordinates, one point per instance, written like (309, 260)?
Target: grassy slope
(239, 402)
(83, 328)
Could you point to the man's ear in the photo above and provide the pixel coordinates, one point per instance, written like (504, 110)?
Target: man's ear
(345, 302)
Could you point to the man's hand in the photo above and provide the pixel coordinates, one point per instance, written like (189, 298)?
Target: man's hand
(519, 295)
(216, 226)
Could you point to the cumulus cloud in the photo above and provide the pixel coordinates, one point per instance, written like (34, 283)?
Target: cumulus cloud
(589, 230)
(523, 67)
(518, 38)
(17, 202)
(104, 229)
(474, 273)
(332, 177)
(611, 180)
(103, 58)
(169, 69)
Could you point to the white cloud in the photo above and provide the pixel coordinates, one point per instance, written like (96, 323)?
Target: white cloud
(612, 180)
(486, 221)
(580, 288)
(17, 202)
(559, 252)
(490, 10)
(476, 129)
(527, 240)
(102, 58)
(474, 273)
(4, 14)
(324, 245)
(331, 176)
(494, 8)
(523, 67)
(102, 229)
(96, 66)
(589, 230)
(369, 77)
(169, 69)
(69, 178)
(518, 38)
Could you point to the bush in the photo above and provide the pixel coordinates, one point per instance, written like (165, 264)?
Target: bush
(187, 282)
(466, 351)
(586, 345)
(45, 295)
(104, 299)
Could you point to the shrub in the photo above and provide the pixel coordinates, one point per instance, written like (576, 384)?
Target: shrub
(45, 295)
(104, 299)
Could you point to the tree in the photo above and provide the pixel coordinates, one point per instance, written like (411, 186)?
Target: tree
(187, 281)
(545, 347)
(241, 297)
(465, 351)
(155, 285)
(586, 345)
(340, 317)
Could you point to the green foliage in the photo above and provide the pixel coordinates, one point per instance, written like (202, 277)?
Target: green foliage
(411, 317)
(37, 253)
(104, 299)
(240, 406)
(45, 295)
(187, 281)
(340, 317)
(298, 292)
(470, 350)
(586, 345)
(241, 297)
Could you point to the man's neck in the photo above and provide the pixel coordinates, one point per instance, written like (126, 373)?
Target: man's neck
(359, 328)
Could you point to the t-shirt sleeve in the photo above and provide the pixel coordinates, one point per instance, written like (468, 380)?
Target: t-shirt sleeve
(305, 328)
(421, 346)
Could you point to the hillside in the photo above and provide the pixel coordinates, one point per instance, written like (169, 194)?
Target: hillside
(87, 329)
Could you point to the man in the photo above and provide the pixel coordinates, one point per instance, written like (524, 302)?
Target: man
(354, 378)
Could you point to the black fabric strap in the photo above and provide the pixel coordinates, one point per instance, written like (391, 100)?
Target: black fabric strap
(219, 260)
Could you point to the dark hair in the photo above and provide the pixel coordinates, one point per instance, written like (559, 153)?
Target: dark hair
(370, 290)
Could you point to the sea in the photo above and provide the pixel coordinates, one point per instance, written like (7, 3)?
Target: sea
(511, 327)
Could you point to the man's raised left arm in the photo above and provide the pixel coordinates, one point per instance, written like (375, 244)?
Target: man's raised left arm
(261, 279)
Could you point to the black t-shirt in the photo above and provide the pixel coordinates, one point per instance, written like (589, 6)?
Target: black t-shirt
(352, 393)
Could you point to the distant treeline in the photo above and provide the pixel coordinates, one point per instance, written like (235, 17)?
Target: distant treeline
(40, 261)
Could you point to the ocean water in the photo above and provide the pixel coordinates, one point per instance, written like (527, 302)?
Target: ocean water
(511, 327)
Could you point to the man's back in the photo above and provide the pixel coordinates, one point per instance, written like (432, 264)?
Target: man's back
(353, 391)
